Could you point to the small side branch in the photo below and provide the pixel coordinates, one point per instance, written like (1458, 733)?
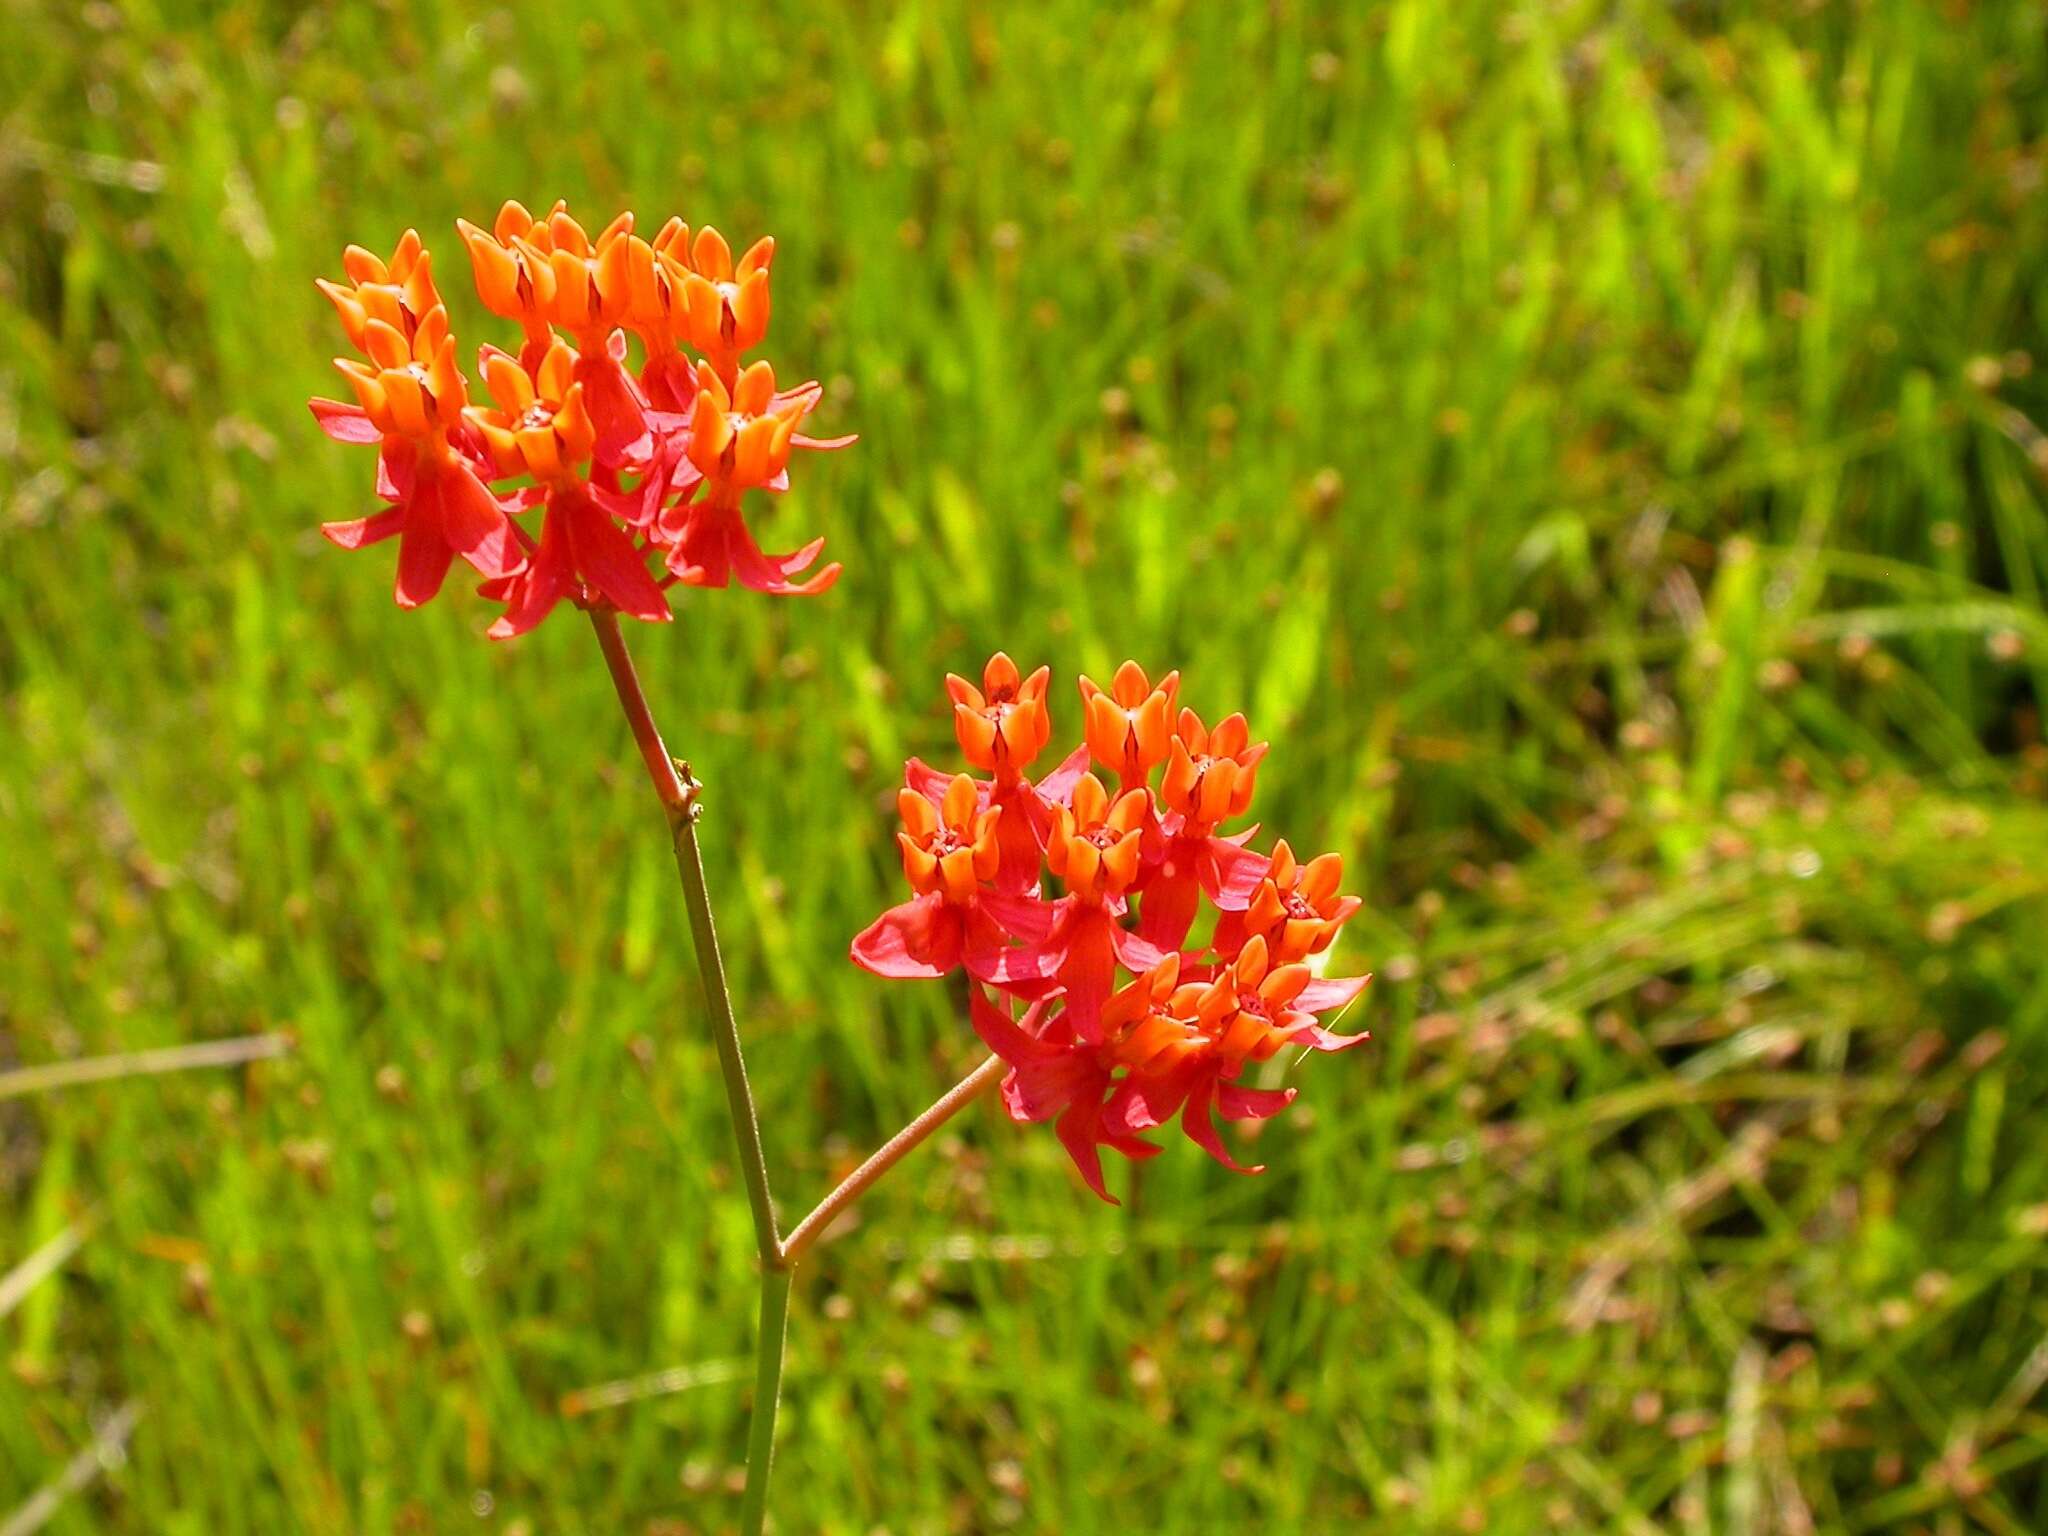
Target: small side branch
(890, 1153)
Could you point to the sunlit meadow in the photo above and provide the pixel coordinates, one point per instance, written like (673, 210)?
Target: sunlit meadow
(1599, 445)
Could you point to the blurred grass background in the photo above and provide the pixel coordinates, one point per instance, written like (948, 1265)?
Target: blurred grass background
(1597, 442)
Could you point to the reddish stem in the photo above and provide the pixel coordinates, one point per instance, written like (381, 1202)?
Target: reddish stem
(888, 1155)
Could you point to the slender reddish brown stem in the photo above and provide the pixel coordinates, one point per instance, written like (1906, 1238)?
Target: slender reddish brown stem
(661, 768)
(890, 1153)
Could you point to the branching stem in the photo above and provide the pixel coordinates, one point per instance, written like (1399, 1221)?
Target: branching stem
(679, 795)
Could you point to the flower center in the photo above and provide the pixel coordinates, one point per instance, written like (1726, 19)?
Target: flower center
(538, 414)
(1297, 906)
(420, 376)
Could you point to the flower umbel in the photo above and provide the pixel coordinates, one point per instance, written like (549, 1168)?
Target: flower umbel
(641, 477)
(1111, 1020)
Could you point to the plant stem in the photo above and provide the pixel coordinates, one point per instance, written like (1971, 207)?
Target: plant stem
(774, 1331)
(678, 794)
(889, 1154)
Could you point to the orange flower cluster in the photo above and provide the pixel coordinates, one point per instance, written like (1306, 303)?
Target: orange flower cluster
(624, 467)
(1115, 1003)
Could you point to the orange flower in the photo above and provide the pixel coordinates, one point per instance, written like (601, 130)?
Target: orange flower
(1242, 1010)
(540, 426)
(1094, 843)
(570, 413)
(1003, 724)
(410, 387)
(544, 272)
(1210, 774)
(1296, 910)
(1129, 727)
(1141, 1029)
(399, 293)
(1126, 1027)
(948, 848)
(724, 308)
(741, 438)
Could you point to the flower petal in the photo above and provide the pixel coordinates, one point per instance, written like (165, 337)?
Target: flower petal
(1231, 873)
(1237, 1103)
(920, 938)
(1077, 1132)
(608, 560)
(343, 422)
(1057, 787)
(1028, 919)
(423, 554)
(1169, 902)
(475, 524)
(1326, 994)
(775, 573)
(361, 532)
(1195, 1119)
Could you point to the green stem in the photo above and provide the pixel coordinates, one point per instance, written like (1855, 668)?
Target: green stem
(746, 1126)
(768, 1350)
(679, 800)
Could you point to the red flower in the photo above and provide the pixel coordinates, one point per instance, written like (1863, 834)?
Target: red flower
(950, 853)
(541, 428)
(614, 457)
(741, 439)
(1243, 1016)
(1296, 908)
(1166, 1048)
(1052, 1077)
(1209, 779)
(410, 399)
(1002, 726)
(725, 307)
(1094, 849)
(1106, 1060)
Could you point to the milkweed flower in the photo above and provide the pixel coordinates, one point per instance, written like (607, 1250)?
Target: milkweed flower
(950, 854)
(541, 427)
(740, 439)
(725, 304)
(1002, 726)
(1083, 975)
(1130, 725)
(1296, 908)
(549, 274)
(410, 403)
(1208, 779)
(624, 467)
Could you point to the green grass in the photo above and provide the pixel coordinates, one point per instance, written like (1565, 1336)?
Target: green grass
(1596, 443)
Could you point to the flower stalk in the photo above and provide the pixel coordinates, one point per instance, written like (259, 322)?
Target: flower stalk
(678, 792)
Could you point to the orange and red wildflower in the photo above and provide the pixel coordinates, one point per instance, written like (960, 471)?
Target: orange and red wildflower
(1198, 1017)
(629, 468)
